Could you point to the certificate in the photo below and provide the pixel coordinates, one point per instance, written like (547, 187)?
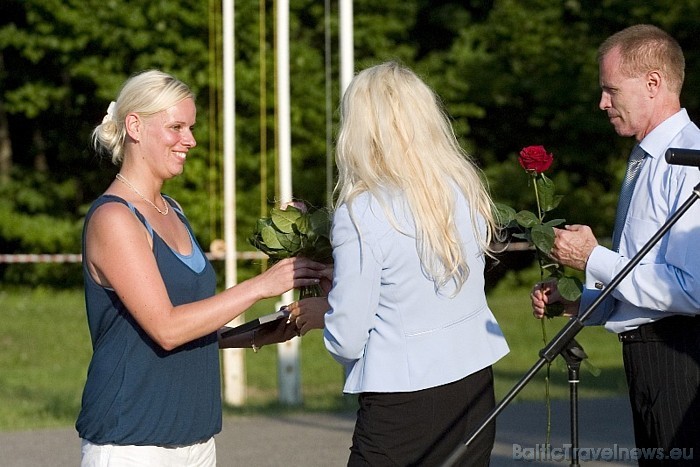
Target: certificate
(266, 320)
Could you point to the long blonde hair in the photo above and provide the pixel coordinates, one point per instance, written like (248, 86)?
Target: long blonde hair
(395, 135)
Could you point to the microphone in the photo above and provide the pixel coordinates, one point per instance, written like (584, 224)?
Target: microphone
(683, 156)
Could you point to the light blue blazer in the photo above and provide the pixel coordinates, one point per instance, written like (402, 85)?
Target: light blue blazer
(387, 324)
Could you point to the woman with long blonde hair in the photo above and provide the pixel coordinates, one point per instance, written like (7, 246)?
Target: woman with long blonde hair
(407, 314)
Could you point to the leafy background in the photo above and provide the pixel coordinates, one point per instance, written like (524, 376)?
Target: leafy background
(511, 73)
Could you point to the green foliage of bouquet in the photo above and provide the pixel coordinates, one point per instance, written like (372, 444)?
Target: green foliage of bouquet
(295, 230)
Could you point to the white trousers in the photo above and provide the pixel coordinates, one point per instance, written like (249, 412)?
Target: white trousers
(201, 454)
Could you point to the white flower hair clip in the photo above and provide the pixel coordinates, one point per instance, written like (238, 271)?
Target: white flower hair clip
(110, 112)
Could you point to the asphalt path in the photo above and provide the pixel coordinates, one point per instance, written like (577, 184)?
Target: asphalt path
(322, 440)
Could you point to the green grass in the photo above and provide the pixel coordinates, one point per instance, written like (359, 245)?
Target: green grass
(510, 302)
(45, 349)
(44, 352)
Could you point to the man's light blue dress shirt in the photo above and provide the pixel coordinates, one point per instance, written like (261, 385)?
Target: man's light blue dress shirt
(667, 280)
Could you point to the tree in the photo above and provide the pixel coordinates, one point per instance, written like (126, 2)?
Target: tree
(68, 59)
(525, 72)
(511, 74)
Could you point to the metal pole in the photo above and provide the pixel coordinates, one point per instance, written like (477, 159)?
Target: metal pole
(287, 352)
(573, 407)
(232, 359)
(329, 103)
(573, 354)
(347, 53)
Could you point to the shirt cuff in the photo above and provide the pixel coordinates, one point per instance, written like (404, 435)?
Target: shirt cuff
(600, 267)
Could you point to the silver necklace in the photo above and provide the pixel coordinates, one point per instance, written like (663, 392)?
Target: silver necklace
(165, 212)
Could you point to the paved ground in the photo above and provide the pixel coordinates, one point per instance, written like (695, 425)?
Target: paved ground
(322, 440)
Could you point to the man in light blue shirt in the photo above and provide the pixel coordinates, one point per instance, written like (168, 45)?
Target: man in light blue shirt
(654, 309)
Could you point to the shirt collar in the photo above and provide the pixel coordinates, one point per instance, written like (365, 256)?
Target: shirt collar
(656, 142)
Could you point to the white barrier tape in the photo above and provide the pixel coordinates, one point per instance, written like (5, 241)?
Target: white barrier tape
(213, 256)
(40, 258)
(76, 258)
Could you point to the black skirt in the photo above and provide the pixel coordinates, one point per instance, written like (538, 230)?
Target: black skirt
(423, 428)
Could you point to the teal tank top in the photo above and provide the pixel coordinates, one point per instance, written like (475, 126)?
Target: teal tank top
(136, 392)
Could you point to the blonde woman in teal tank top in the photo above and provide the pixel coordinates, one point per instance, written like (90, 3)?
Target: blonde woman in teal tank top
(153, 390)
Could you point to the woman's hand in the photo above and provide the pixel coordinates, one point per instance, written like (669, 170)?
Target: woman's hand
(275, 332)
(285, 330)
(288, 274)
(326, 279)
(309, 313)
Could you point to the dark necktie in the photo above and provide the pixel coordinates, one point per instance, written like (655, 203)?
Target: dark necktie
(633, 165)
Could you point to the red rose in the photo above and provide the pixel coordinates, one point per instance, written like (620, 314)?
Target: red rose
(535, 158)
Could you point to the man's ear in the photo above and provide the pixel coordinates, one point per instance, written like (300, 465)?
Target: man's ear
(134, 126)
(654, 82)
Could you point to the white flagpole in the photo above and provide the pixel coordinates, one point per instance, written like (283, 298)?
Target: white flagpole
(289, 374)
(233, 359)
(347, 53)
